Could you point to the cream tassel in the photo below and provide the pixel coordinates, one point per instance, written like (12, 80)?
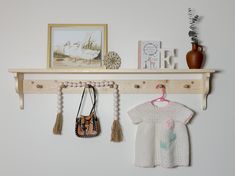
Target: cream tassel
(58, 124)
(117, 135)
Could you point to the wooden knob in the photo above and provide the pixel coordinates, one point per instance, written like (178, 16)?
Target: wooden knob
(137, 86)
(187, 86)
(39, 86)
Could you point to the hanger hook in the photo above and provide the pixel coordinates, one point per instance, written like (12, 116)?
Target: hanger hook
(161, 86)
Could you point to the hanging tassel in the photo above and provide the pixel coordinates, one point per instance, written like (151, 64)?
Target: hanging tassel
(59, 118)
(58, 124)
(117, 135)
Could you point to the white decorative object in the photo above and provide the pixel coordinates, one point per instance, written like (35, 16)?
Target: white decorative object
(112, 60)
(149, 54)
(167, 58)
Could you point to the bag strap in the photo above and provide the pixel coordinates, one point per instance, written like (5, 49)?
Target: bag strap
(94, 102)
(94, 93)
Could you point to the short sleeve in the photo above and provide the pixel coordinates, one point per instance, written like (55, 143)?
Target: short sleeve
(184, 114)
(136, 114)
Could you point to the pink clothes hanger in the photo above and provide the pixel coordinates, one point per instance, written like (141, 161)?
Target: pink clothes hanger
(161, 98)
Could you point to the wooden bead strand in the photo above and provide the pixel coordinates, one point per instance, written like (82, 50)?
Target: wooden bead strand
(116, 102)
(116, 135)
(60, 97)
(59, 118)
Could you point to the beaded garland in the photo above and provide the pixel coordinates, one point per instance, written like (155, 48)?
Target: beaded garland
(110, 84)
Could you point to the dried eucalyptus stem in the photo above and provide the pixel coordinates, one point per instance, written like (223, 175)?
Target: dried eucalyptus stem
(193, 20)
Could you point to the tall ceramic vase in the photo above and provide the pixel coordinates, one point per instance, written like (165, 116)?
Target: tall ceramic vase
(195, 56)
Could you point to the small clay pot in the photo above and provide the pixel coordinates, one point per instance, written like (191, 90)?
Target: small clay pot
(195, 56)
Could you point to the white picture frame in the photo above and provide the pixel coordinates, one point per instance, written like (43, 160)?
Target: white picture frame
(149, 54)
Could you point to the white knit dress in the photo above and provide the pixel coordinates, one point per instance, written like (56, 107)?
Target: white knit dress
(162, 137)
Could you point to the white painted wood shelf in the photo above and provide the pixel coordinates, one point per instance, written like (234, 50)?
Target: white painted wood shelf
(176, 86)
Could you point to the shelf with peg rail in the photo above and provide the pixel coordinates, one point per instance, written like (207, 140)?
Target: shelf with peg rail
(131, 86)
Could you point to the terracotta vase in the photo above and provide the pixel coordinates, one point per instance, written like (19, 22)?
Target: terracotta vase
(195, 56)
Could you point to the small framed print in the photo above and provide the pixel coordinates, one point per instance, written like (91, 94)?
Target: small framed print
(149, 54)
(76, 45)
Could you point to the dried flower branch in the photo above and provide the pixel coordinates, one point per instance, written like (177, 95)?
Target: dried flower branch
(193, 20)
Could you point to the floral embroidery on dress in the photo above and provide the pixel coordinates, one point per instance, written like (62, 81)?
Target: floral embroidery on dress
(169, 135)
(169, 123)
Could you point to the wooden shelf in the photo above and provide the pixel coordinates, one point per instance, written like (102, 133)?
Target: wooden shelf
(182, 86)
(110, 71)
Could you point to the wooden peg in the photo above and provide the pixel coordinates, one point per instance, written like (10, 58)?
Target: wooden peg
(187, 86)
(137, 86)
(39, 86)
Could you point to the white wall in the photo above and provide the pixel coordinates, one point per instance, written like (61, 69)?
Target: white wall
(27, 146)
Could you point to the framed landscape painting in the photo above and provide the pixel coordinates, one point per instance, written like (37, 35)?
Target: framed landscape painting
(76, 45)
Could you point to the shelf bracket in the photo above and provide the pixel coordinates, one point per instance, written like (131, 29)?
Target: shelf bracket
(205, 89)
(19, 87)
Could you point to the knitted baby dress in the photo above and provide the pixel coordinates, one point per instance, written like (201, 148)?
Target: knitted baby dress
(162, 136)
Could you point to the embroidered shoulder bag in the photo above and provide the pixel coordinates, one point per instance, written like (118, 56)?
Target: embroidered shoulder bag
(87, 125)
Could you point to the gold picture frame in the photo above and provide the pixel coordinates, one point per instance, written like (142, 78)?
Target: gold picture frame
(76, 45)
